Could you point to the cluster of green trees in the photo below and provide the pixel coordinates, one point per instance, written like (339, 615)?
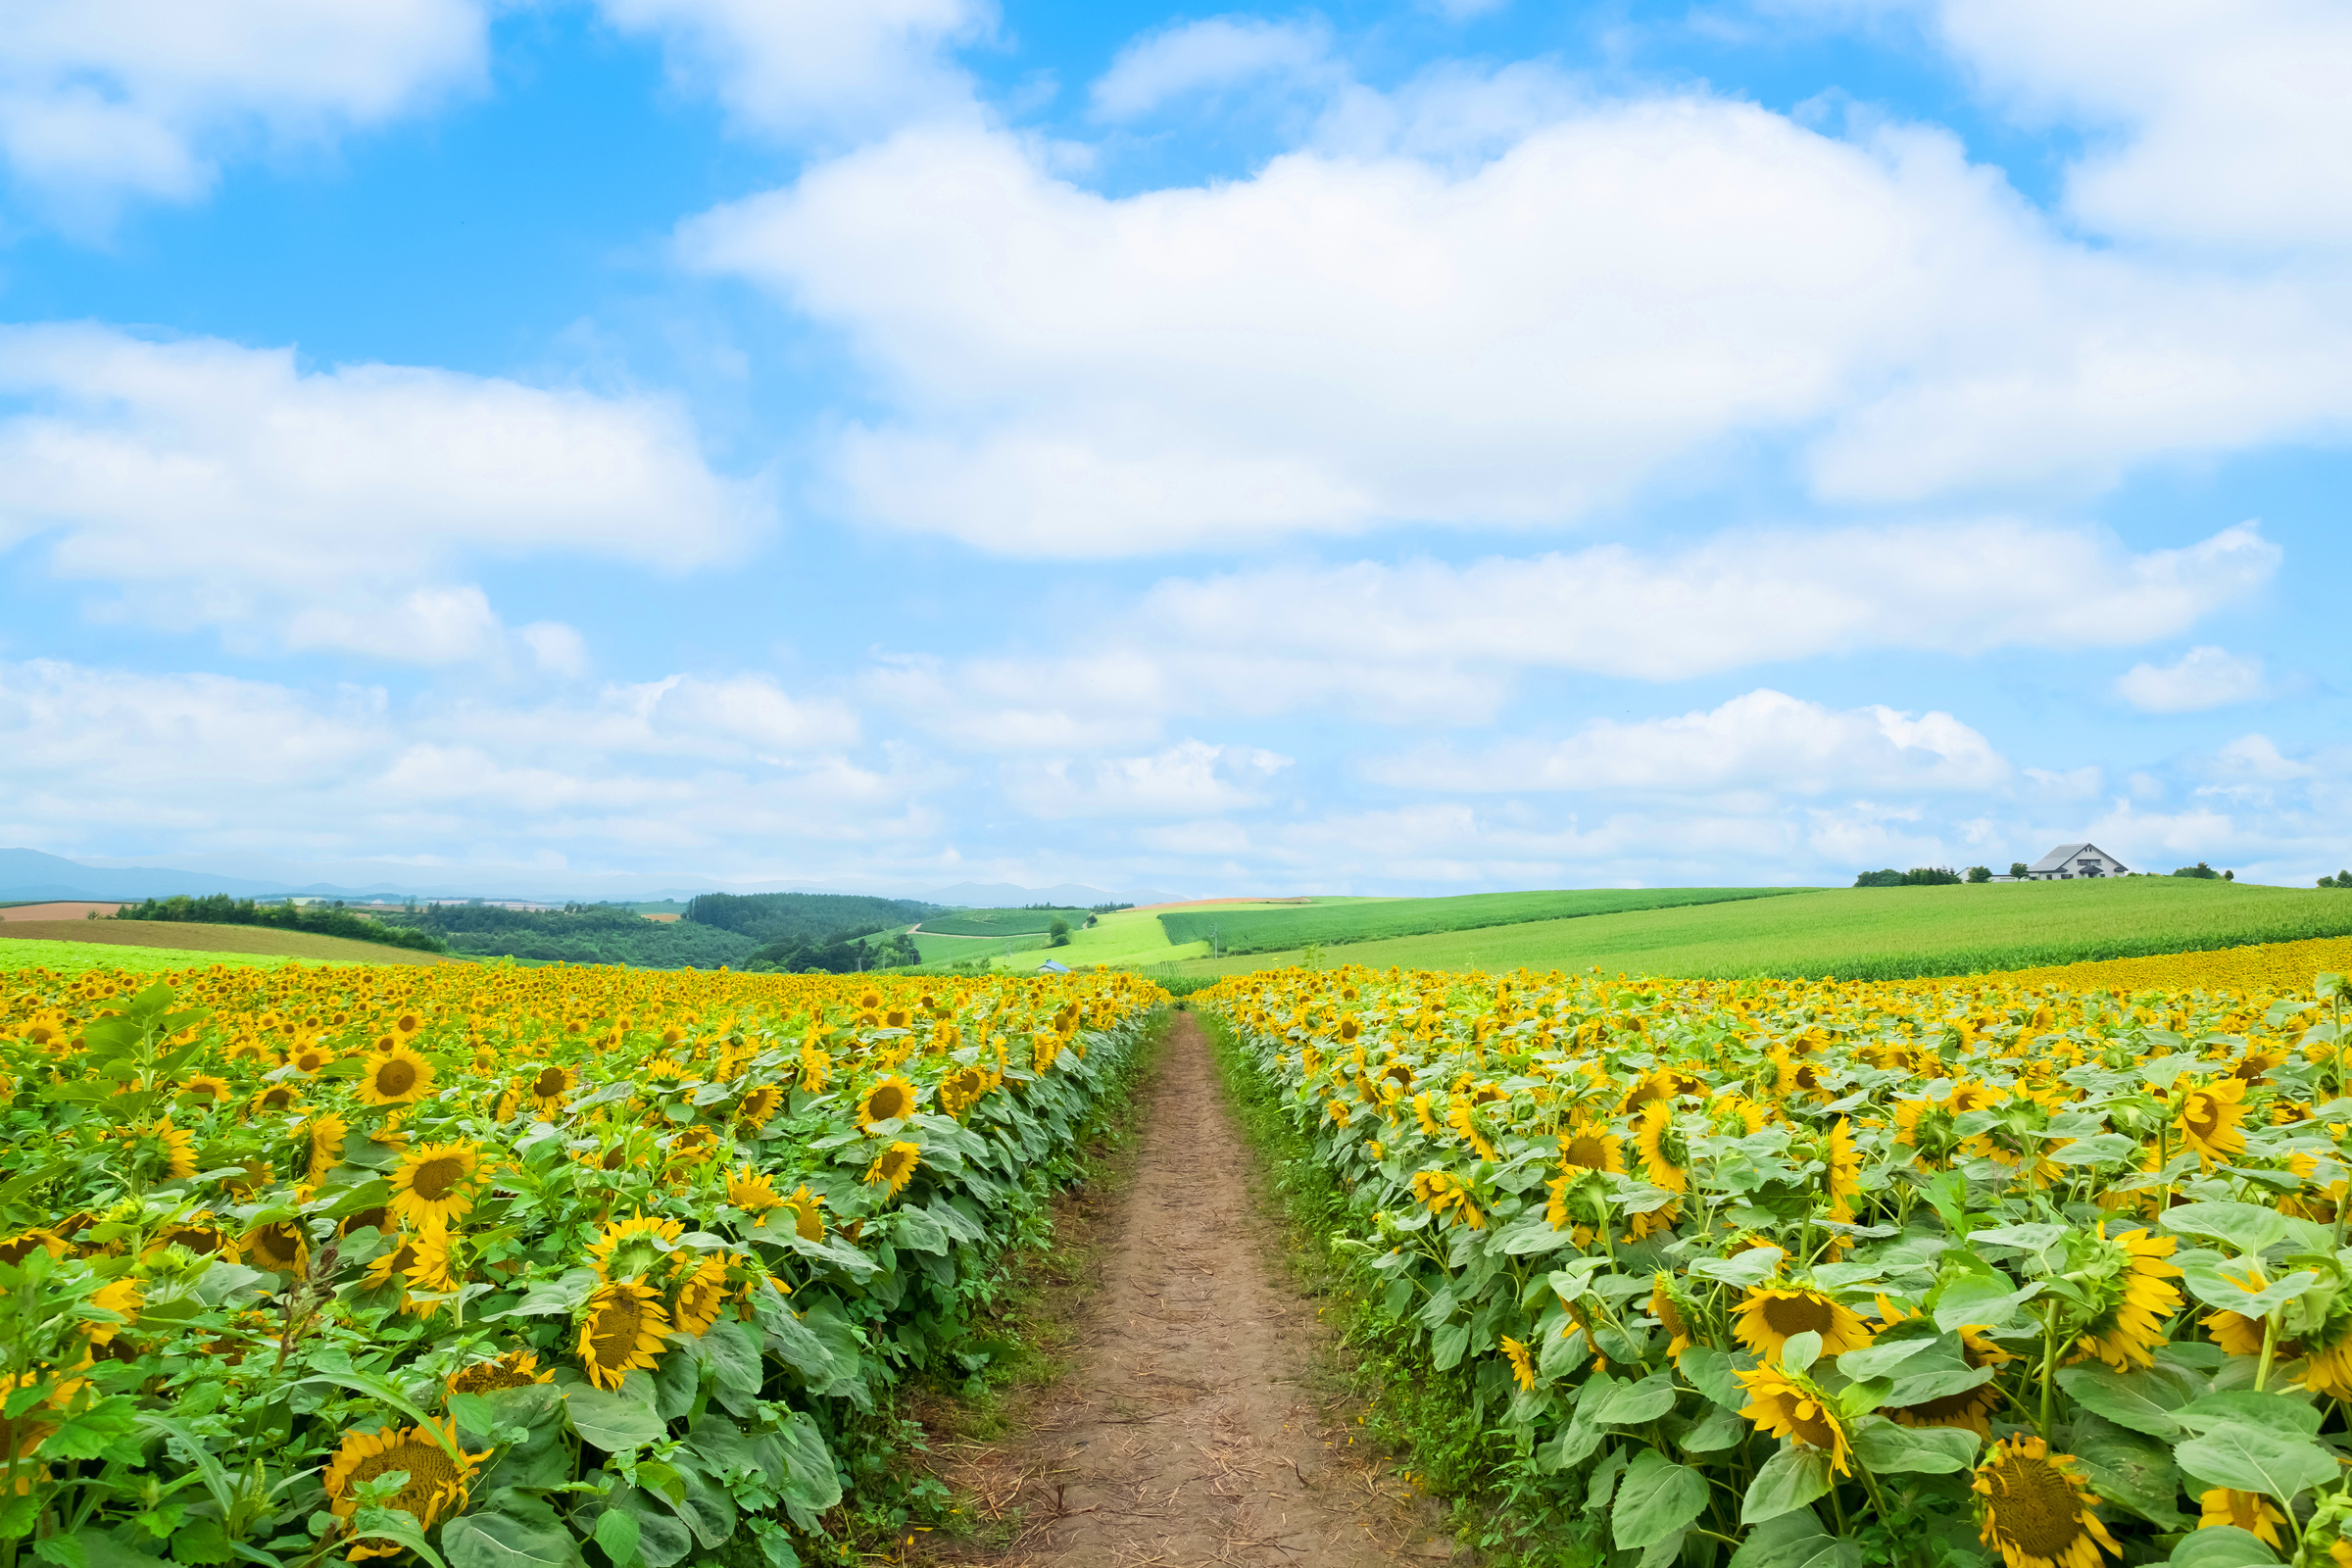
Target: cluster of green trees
(320, 919)
(840, 954)
(811, 917)
(1917, 876)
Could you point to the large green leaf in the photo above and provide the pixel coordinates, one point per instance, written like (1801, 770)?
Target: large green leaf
(1718, 1430)
(612, 1422)
(1657, 1498)
(2248, 1459)
(2274, 1413)
(1889, 1448)
(733, 1356)
(661, 1540)
(493, 1540)
(2131, 1469)
(1789, 1479)
(1627, 1404)
(2143, 1400)
(1977, 1299)
(810, 1484)
(1709, 1371)
(394, 1524)
(2247, 1227)
(1796, 1539)
(2223, 1547)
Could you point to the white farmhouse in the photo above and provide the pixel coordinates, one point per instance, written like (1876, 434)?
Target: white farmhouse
(2070, 861)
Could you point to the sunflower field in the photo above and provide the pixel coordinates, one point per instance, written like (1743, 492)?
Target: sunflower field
(504, 1268)
(1791, 1274)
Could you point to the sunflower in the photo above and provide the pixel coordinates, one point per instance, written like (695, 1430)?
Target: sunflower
(1655, 1141)
(395, 1077)
(702, 1297)
(1843, 1178)
(2209, 1119)
(1592, 1147)
(15, 1249)
(178, 1149)
(1773, 1315)
(2031, 1506)
(894, 1168)
(2327, 1371)
(2249, 1511)
(622, 1332)
(421, 1265)
(276, 1100)
(120, 1297)
(279, 1248)
(1783, 1404)
(1670, 1316)
(327, 1133)
(1523, 1366)
(433, 1183)
(892, 1100)
(807, 1214)
(2125, 1276)
(634, 1247)
(1971, 1408)
(753, 1192)
(816, 1067)
(548, 1087)
(308, 1058)
(204, 1087)
(196, 1234)
(759, 1106)
(1461, 1114)
(438, 1470)
(513, 1370)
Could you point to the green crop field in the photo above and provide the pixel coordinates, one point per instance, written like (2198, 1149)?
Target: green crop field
(208, 942)
(73, 957)
(1275, 930)
(1871, 933)
(998, 922)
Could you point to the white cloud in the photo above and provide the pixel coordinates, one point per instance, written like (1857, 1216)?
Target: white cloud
(827, 69)
(106, 99)
(1201, 56)
(2201, 679)
(1189, 779)
(220, 485)
(1358, 336)
(1764, 740)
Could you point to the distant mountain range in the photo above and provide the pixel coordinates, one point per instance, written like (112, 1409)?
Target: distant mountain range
(27, 875)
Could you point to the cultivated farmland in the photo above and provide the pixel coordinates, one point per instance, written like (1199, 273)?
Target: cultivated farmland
(1252, 930)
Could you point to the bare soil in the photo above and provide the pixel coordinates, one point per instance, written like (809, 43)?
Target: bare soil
(1194, 1425)
(69, 910)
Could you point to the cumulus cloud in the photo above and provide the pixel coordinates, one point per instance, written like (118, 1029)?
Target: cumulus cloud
(2201, 679)
(1764, 740)
(1356, 337)
(816, 68)
(1210, 56)
(1193, 778)
(216, 484)
(101, 100)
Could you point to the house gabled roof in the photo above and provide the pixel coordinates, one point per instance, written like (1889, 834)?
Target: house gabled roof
(2059, 859)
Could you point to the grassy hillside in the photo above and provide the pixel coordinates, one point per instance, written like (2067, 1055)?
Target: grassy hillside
(998, 922)
(73, 957)
(1280, 929)
(209, 939)
(1874, 933)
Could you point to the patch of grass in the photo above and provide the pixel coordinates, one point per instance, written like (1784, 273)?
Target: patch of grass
(1439, 1420)
(166, 946)
(1874, 933)
(1265, 930)
(999, 922)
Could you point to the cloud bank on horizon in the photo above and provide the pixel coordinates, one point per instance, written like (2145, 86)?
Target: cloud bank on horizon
(1432, 450)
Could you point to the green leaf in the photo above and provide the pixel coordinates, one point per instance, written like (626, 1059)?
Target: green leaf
(2274, 1413)
(1657, 1498)
(1889, 1447)
(617, 1534)
(2143, 1400)
(810, 1484)
(1709, 1371)
(1975, 1299)
(1796, 1539)
(2250, 1459)
(2130, 1469)
(217, 1481)
(2223, 1547)
(1448, 1345)
(502, 1541)
(1789, 1479)
(733, 1356)
(2249, 1227)
(392, 1524)
(661, 1539)
(1629, 1405)
(1878, 1360)
(1800, 1351)
(87, 1547)
(1719, 1429)
(915, 1229)
(612, 1422)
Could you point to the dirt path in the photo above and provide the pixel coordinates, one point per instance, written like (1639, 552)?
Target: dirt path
(1188, 1433)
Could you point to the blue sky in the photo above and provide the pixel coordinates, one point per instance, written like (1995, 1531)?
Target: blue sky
(1372, 447)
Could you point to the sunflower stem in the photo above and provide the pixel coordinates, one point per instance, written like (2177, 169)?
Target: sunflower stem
(2049, 1370)
(2270, 1348)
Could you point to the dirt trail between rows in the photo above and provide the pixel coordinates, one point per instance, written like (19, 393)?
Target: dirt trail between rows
(1189, 1429)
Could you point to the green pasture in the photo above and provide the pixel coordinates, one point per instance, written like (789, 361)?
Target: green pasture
(72, 958)
(999, 922)
(1869, 933)
(1274, 930)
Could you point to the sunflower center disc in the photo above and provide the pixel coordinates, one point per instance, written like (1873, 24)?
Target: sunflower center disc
(2037, 1511)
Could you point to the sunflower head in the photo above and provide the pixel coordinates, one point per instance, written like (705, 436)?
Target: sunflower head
(549, 1085)
(1770, 1316)
(759, 1106)
(2210, 1119)
(1787, 1404)
(634, 1247)
(1523, 1364)
(702, 1295)
(894, 1168)
(807, 1214)
(395, 1077)
(2125, 1279)
(433, 1184)
(512, 1370)
(279, 1248)
(439, 1472)
(622, 1332)
(1670, 1314)
(1663, 1157)
(753, 1192)
(2249, 1511)
(2031, 1509)
(892, 1100)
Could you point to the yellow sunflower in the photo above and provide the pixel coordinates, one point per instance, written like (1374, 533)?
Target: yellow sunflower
(395, 1077)
(280, 1249)
(420, 1264)
(276, 1100)
(816, 1068)
(1783, 1404)
(434, 1184)
(1770, 1316)
(1523, 1366)
(759, 1106)
(753, 1192)
(178, 1149)
(204, 1087)
(2126, 1275)
(327, 1133)
(2031, 1508)
(807, 1214)
(892, 1100)
(121, 1297)
(1592, 1147)
(894, 1168)
(1843, 1178)
(438, 1477)
(1447, 1196)
(633, 1249)
(1670, 1314)
(622, 1332)
(510, 1371)
(702, 1297)
(548, 1087)
(2249, 1511)
(1655, 1141)
(2209, 1117)
(308, 1058)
